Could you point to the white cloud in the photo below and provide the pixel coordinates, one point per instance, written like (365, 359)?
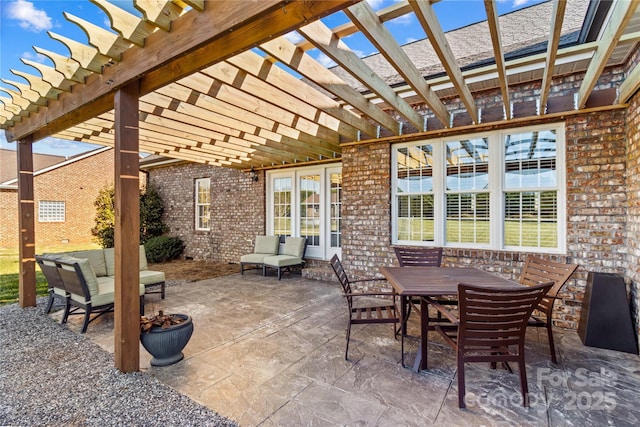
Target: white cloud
(30, 18)
(325, 60)
(520, 3)
(36, 57)
(293, 37)
(375, 4)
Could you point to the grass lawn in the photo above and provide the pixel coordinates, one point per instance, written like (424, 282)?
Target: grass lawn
(9, 270)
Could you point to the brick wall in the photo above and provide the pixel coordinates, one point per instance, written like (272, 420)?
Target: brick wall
(77, 184)
(633, 203)
(237, 209)
(596, 205)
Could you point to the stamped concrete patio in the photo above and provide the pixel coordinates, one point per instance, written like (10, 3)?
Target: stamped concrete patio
(271, 353)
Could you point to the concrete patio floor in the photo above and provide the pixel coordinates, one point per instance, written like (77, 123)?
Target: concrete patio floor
(271, 353)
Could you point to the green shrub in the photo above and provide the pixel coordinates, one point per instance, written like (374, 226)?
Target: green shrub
(151, 210)
(163, 248)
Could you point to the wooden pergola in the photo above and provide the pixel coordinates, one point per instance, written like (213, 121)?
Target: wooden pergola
(222, 83)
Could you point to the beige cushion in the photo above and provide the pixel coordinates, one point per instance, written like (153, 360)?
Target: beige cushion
(267, 245)
(109, 256)
(148, 277)
(294, 246)
(87, 272)
(252, 258)
(105, 293)
(282, 260)
(96, 259)
(143, 259)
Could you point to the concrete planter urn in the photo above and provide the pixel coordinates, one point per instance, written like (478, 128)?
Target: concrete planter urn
(165, 336)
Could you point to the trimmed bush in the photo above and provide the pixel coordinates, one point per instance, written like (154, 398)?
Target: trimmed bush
(163, 248)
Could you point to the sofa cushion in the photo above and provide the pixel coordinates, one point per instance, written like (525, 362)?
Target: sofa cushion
(267, 245)
(96, 259)
(282, 260)
(110, 259)
(105, 293)
(294, 246)
(148, 277)
(86, 269)
(253, 258)
(143, 259)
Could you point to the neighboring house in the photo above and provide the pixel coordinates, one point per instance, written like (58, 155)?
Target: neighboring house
(563, 193)
(64, 193)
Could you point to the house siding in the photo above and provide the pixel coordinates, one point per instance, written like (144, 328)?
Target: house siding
(602, 161)
(237, 209)
(77, 184)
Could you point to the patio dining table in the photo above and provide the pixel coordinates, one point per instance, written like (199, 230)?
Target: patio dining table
(411, 282)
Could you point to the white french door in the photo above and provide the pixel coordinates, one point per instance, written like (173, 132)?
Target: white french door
(307, 202)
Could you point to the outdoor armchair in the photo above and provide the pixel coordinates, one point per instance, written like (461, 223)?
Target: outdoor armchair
(54, 281)
(291, 255)
(491, 326)
(264, 246)
(537, 270)
(363, 307)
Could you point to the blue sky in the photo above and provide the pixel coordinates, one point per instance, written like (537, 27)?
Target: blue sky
(25, 24)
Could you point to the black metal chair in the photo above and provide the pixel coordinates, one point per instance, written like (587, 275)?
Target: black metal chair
(491, 326)
(382, 311)
(54, 282)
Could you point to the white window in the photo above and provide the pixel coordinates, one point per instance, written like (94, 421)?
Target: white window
(499, 190)
(203, 203)
(51, 211)
(306, 202)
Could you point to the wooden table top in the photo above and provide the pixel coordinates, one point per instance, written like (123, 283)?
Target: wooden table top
(434, 281)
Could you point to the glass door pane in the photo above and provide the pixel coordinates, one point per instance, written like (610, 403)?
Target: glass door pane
(282, 207)
(335, 209)
(310, 209)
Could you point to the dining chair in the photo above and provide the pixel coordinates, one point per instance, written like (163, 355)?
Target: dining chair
(491, 326)
(536, 271)
(420, 256)
(363, 306)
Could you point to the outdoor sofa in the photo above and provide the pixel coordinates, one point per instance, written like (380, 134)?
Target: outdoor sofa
(75, 281)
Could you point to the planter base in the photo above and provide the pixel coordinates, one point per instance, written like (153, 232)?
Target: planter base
(167, 360)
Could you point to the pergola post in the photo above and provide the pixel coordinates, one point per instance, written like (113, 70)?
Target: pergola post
(26, 209)
(127, 230)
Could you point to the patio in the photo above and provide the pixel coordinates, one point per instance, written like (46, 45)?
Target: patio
(271, 353)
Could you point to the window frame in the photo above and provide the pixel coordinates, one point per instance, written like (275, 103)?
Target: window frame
(496, 187)
(197, 225)
(48, 214)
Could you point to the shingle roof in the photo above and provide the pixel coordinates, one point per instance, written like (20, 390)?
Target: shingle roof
(9, 166)
(523, 32)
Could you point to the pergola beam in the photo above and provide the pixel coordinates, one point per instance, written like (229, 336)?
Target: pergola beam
(197, 40)
(620, 16)
(496, 40)
(557, 17)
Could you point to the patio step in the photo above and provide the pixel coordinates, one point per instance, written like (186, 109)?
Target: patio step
(319, 270)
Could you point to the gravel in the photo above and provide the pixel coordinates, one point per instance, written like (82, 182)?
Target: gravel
(52, 376)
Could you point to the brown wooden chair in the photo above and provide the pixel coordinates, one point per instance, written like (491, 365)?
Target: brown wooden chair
(381, 311)
(536, 271)
(418, 256)
(491, 326)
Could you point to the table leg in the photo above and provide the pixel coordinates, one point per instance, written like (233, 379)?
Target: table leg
(421, 357)
(403, 327)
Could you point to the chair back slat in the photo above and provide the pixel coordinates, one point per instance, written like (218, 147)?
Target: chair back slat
(538, 270)
(50, 272)
(419, 256)
(491, 317)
